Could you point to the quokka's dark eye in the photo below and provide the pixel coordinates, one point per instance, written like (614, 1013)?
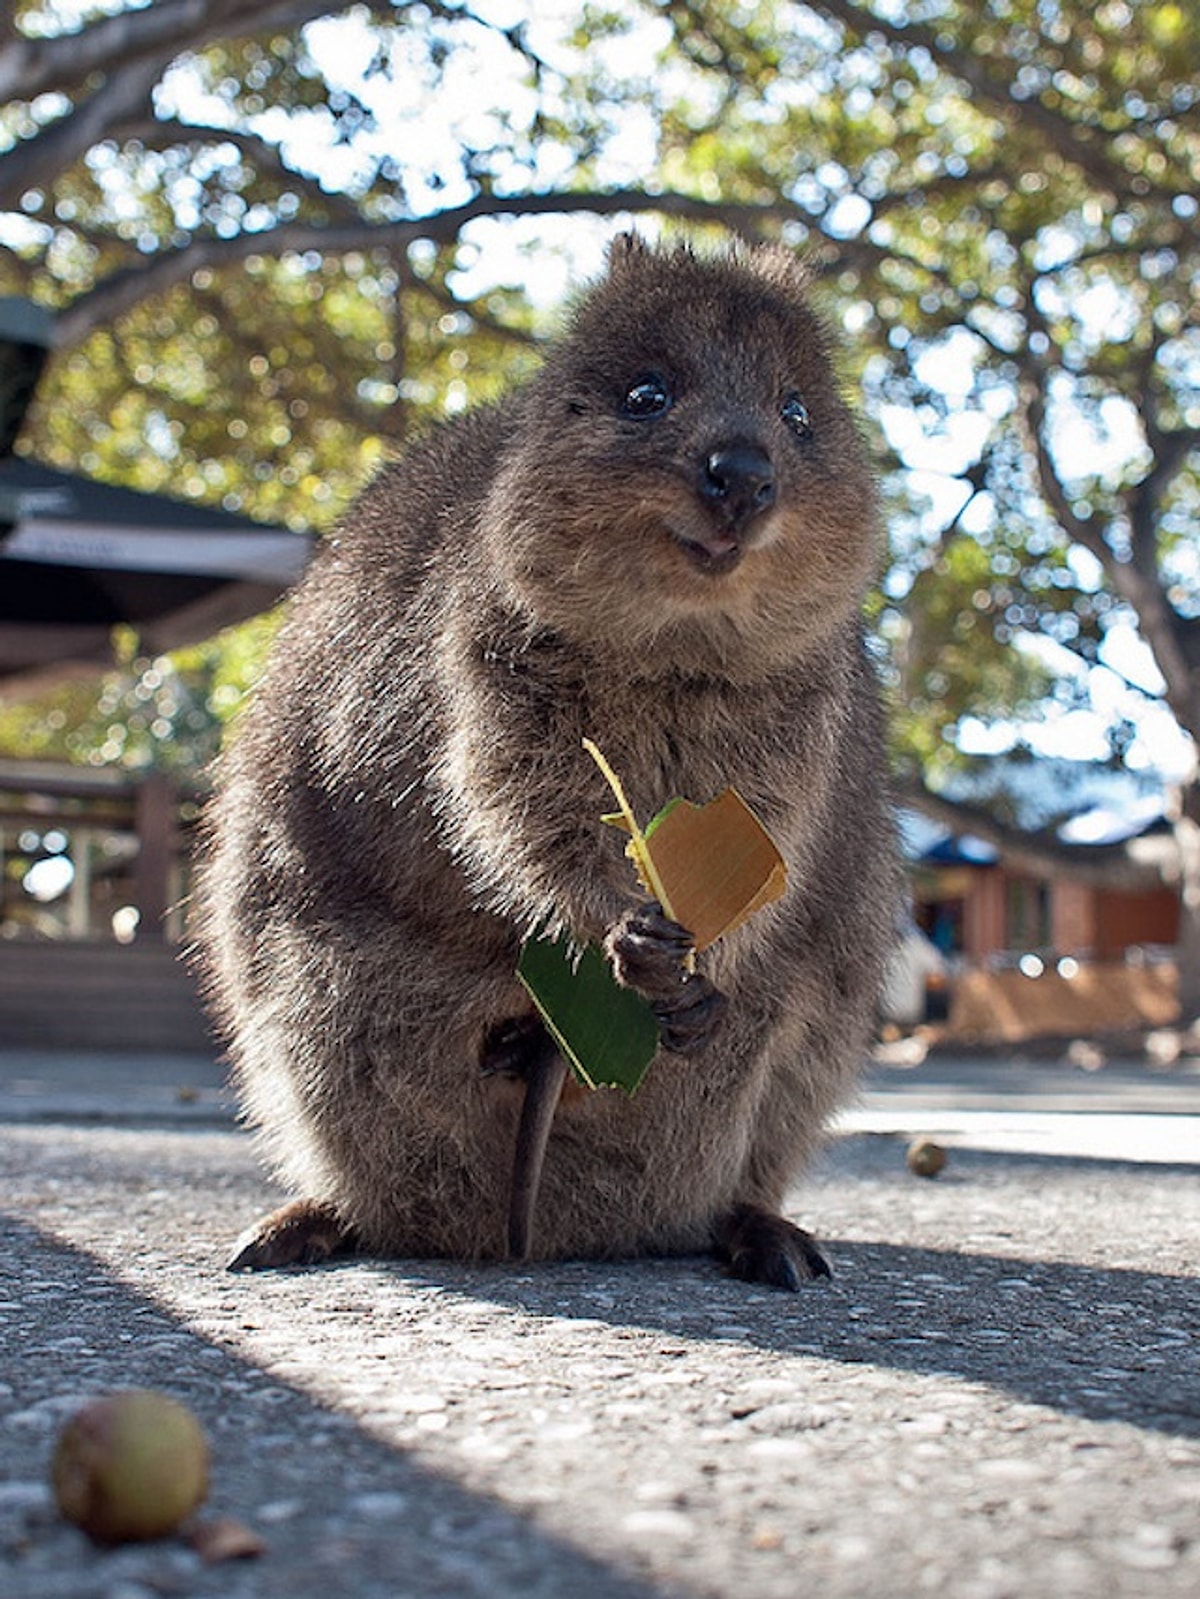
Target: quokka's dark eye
(797, 416)
(647, 398)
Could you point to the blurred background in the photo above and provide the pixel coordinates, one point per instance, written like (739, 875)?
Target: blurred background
(245, 252)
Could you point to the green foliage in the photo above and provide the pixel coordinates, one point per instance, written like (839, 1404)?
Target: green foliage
(999, 199)
(166, 713)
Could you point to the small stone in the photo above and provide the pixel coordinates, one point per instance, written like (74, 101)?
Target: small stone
(658, 1524)
(279, 1510)
(929, 1425)
(379, 1505)
(766, 1536)
(1163, 1046)
(219, 1538)
(1086, 1056)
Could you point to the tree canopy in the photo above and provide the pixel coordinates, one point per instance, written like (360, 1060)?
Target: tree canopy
(275, 237)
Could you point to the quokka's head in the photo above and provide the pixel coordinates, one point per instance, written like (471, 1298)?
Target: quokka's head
(685, 471)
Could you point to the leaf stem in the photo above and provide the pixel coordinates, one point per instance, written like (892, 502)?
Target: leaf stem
(637, 839)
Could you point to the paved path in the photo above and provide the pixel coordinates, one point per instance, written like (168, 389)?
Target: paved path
(998, 1394)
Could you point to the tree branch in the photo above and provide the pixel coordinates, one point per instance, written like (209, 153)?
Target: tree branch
(1142, 590)
(1137, 583)
(1170, 448)
(121, 291)
(475, 310)
(156, 33)
(1073, 141)
(166, 134)
(39, 160)
(128, 53)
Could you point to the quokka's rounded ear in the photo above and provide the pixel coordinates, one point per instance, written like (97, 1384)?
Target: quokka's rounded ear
(778, 264)
(626, 247)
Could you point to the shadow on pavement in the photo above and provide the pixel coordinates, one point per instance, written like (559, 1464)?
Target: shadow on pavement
(1107, 1345)
(344, 1506)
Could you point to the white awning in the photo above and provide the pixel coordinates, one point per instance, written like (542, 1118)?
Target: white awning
(260, 556)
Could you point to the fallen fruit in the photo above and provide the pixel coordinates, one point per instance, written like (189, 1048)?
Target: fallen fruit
(925, 1158)
(130, 1466)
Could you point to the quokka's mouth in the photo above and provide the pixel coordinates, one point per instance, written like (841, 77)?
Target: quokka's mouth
(715, 555)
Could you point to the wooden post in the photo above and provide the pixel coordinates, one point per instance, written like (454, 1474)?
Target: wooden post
(79, 902)
(1072, 918)
(985, 922)
(156, 825)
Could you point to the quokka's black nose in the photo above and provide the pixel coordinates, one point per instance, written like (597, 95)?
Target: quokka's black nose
(740, 480)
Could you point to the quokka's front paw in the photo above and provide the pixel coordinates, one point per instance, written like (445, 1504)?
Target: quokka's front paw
(647, 951)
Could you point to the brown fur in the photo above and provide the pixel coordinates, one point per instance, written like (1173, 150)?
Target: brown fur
(408, 797)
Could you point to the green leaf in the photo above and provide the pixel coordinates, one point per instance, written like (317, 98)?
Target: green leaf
(607, 1033)
(660, 816)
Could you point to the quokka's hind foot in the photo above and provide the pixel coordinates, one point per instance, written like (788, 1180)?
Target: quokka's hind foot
(515, 1047)
(764, 1248)
(302, 1233)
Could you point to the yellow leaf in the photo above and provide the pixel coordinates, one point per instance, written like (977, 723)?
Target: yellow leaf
(717, 863)
(709, 866)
